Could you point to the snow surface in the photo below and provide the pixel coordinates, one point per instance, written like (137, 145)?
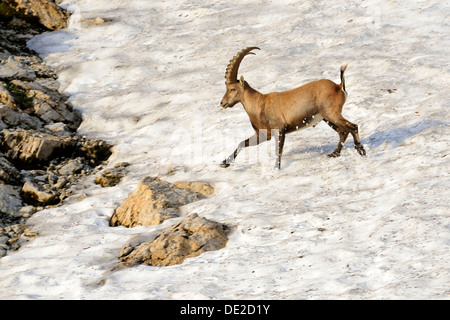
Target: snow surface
(320, 228)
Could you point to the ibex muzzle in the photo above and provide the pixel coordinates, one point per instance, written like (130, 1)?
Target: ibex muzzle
(279, 113)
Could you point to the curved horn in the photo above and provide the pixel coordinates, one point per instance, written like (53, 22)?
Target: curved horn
(233, 66)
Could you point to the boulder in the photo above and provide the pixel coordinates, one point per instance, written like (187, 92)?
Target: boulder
(32, 148)
(153, 201)
(188, 238)
(109, 177)
(8, 173)
(36, 195)
(46, 12)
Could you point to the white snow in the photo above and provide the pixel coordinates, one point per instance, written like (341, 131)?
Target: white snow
(320, 228)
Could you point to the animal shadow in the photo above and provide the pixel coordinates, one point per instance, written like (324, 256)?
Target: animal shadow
(397, 136)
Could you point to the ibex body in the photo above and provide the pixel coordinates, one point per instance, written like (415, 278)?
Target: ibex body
(279, 113)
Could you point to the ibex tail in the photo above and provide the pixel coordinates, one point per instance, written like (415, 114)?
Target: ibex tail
(342, 77)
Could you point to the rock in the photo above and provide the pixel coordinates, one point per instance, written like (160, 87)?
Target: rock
(3, 251)
(31, 148)
(6, 97)
(153, 201)
(189, 238)
(121, 165)
(57, 128)
(203, 188)
(8, 173)
(45, 11)
(10, 205)
(35, 194)
(14, 38)
(13, 69)
(109, 177)
(95, 21)
(95, 150)
(10, 201)
(30, 234)
(27, 211)
(42, 158)
(61, 183)
(73, 166)
(16, 118)
(48, 104)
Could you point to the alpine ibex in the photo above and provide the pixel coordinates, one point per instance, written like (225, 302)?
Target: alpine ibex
(279, 113)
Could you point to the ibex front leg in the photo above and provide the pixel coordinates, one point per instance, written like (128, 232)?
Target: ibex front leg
(279, 146)
(257, 138)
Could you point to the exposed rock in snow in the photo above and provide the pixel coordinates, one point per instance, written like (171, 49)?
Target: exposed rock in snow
(154, 201)
(46, 12)
(188, 238)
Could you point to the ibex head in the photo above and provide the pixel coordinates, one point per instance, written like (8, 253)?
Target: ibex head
(235, 87)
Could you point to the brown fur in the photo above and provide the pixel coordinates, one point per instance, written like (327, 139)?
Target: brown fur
(288, 111)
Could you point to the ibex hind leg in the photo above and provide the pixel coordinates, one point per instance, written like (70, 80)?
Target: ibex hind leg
(343, 127)
(342, 137)
(358, 146)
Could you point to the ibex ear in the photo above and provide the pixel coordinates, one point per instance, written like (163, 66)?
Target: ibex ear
(241, 81)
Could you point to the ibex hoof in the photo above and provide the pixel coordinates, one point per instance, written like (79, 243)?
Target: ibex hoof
(361, 150)
(334, 154)
(224, 164)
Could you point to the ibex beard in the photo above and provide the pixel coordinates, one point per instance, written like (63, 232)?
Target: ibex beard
(278, 113)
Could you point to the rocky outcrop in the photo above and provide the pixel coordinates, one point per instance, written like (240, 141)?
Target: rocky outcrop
(45, 12)
(42, 157)
(47, 103)
(189, 238)
(30, 148)
(152, 202)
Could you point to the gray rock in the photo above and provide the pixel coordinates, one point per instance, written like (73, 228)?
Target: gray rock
(13, 68)
(10, 72)
(16, 118)
(8, 173)
(73, 166)
(10, 200)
